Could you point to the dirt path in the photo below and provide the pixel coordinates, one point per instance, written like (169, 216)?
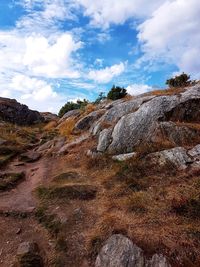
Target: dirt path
(21, 198)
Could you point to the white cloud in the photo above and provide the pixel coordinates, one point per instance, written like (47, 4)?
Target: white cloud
(106, 75)
(32, 88)
(172, 33)
(106, 12)
(137, 89)
(51, 60)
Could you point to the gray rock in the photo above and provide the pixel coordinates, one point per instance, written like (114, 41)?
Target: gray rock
(105, 139)
(28, 254)
(86, 122)
(48, 116)
(30, 156)
(177, 156)
(139, 126)
(63, 150)
(14, 112)
(124, 157)
(195, 152)
(71, 113)
(179, 135)
(157, 261)
(2, 141)
(118, 110)
(119, 251)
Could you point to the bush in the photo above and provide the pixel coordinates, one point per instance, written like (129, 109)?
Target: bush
(100, 98)
(116, 92)
(179, 81)
(72, 105)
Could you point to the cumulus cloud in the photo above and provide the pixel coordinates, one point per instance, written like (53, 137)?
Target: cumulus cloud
(106, 12)
(51, 60)
(172, 33)
(137, 89)
(107, 74)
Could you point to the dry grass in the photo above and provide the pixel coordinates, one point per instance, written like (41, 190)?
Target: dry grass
(50, 126)
(66, 128)
(89, 108)
(169, 91)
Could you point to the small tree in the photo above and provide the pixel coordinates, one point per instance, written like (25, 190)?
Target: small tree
(100, 98)
(79, 104)
(179, 81)
(116, 92)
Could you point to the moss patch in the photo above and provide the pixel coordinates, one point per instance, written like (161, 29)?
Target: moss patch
(9, 180)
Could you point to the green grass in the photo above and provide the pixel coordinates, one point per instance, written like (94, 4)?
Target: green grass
(68, 192)
(10, 180)
(49, 221)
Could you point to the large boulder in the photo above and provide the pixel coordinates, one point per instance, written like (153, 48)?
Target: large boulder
(28, 255)
(119, 251)
(69, 114)
(48, 116)
(177, 156)
(117, 110)
(176, 133)
(14, 112)
(86, 122)
(139, 126)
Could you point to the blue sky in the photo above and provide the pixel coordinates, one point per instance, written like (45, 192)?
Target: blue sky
(53, 51)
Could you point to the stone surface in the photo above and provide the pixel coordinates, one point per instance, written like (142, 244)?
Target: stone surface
(48, 116)
(14, 112)
(124, 157)
(177, 156)
(2, 141)
(138, 127)
(104, 139)
(178, 135)
(71, 113)
(30, 156)
(28, 255)
(157, 261)
(195, 152)
(118, 110)
(119, 251)
(86, 122)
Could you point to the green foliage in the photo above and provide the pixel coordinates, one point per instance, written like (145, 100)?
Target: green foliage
(116, 92)
(179, 81)
(100, 98)
(79, 104)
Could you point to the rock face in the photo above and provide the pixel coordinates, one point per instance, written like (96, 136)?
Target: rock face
(14, 112)
(71, 113)
(48, 116)
(139, 126)
(28, 255)
(119, 251)
(86, 122)
(118, 110)
(178, 156)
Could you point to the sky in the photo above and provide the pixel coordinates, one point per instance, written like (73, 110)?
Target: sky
(54, 51)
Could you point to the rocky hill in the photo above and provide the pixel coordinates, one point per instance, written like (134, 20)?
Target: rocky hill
(112, 185)
(14, 112)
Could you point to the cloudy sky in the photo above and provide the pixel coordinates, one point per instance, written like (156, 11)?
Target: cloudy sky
(52, 51)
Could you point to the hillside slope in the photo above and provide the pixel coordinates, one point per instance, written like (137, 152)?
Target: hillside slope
(113, 185)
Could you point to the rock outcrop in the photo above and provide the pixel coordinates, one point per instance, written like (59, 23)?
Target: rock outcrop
(28, 254)
(119, 251)
(140, 118)
(48, 116)
(14, 112)
(86, 122)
